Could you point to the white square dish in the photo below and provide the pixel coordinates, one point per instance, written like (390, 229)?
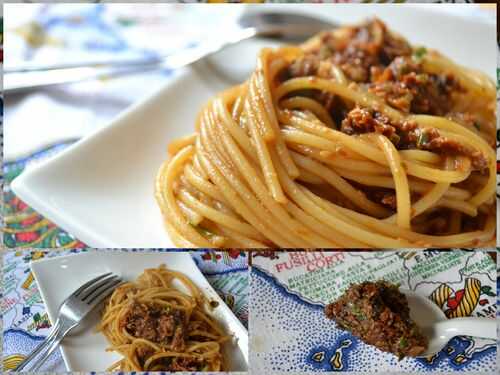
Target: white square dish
(101, 189)
(84, 349)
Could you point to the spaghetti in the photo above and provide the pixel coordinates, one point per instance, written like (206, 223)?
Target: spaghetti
(156, 327)
(353, 139)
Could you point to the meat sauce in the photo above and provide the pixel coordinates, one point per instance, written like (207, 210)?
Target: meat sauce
(162, 325)
(407, 136)
(378, 313)
(387, 66)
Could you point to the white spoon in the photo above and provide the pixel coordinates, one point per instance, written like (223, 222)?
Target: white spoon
(439, 329)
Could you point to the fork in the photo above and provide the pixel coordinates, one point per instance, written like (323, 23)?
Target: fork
(71, 313)
(285, 26)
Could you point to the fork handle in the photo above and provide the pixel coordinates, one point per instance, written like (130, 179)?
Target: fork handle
(22, 82)
(48, 340)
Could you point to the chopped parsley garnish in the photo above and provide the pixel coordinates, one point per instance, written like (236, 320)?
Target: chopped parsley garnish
(423, 138)
(419, 53)
(357, 312)
(204, 232)
(403, 343)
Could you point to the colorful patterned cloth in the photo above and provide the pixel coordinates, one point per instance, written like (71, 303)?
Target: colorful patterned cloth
(25, 320)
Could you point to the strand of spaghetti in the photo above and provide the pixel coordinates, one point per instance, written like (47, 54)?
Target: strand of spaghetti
(460, 206)
(197, 166)
(193, 217)
(262, 80)
(216, 216)
(335, 238)
(360, 146)
(268, 169)
(177, 239)
(310, 178)
(363, 98)
(256, 185)
(257, 110)
(426, 202)
(239, 240)
(203, 184)
(423, 240)
(236, 132)
(367, 167)
(387, 182)
(357, 197)
(473, 80)
(305, 103)
(473, 140)
(237, 195)
(400, 180)
(254, 181)
(277, 65)
(421, 155)
(210, 322)
(373, 239)
(366, 234)
(166, 176)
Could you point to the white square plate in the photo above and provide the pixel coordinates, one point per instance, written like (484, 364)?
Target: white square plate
(84, 349)
(101, 189)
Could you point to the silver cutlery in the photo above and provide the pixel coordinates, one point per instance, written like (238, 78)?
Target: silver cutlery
(439, 329)
(288, 27)
(71, 313)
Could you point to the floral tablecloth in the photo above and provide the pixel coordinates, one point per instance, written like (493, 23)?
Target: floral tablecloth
(47, 33)
(25, 320)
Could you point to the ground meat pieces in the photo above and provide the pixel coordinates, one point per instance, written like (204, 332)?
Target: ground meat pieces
(383, 63)
(356, 51)
(386, 65)
(405, 86)
(407, 136)
(178, 364)
(368, 46)
(384, 196)
(430, 139)
(185, 364)
(378, 314)
(364, 120)
(355, 63)
(178, 339)
(156, 323)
